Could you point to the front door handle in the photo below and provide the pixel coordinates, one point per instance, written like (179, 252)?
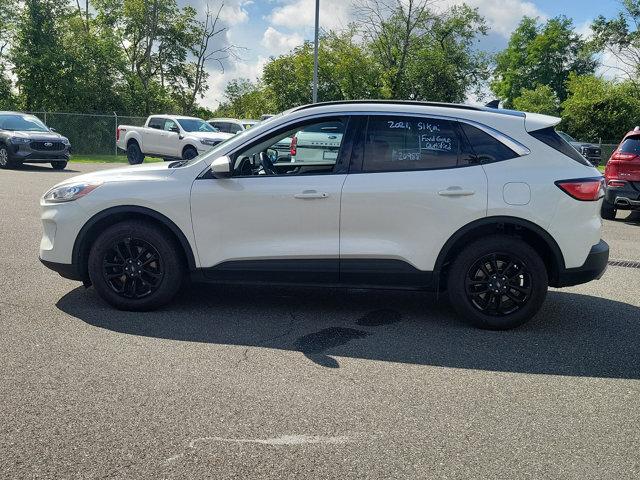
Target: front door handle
(456, 192)
(311, 194)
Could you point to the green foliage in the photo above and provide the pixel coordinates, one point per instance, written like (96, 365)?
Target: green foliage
(542, 99)
(597, 108)
(245, 99)
(620, 37)
(541, 55)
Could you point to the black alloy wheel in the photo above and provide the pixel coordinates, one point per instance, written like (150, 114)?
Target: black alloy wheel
(498, 284)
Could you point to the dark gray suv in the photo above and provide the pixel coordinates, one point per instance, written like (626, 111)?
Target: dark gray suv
(25, 139)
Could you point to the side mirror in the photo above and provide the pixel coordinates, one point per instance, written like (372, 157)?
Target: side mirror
(175, 129)
(51, 129)
(221, 167)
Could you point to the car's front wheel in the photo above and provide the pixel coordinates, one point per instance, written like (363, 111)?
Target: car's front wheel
(5, 161)
(59, 165)
(135, 266)
(498, 282)
(189, 153)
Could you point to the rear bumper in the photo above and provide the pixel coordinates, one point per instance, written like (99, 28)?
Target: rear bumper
(625, 197)
(592, 269)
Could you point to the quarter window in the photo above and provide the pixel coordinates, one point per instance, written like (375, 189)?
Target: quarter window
(486, 148)
(410, 143)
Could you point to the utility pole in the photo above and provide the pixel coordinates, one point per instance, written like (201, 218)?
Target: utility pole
(315, 54)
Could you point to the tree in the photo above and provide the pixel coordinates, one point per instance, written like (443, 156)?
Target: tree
(7, 31)
(600, 109)
(424, 54)
(541, 55)
(542, 99)
(620, 37)
(40, 61)
(288, 78)
(246, 99)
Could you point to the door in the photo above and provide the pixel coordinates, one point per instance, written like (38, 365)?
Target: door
(416, 184)
(154, 136)
(170, 143)
(272, 220)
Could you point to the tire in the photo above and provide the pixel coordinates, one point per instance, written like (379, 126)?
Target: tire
(136, 266)
(134, 154)
(608, 211)
(5, 161)
(59, 165)
(188, 153)
(481, 274)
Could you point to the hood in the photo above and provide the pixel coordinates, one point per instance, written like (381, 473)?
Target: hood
(148, 171)
(53, 136)
(211, 135)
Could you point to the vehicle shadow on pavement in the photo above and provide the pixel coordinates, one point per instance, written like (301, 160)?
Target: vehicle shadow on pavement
(42, 168)
(574, 335)
(633, 218)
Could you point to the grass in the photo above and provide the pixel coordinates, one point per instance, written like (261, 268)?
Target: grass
(78, 158)
(601, 168)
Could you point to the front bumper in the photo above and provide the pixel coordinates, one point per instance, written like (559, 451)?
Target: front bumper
(592, 269)
(25, 153)
(65, 270)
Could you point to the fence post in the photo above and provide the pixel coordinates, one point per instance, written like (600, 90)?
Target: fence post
(114, 133)
(45, 118)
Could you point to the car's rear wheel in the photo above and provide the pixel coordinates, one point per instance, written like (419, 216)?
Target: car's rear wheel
(608, 211)
(189, 153)
(497, 283)
(5, 161)
(59, 165)
(135, 266)
(134, 154)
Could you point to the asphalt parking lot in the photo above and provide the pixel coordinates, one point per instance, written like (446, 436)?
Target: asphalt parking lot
(305, 383)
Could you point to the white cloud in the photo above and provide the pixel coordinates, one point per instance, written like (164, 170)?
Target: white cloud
(218, 80)
(300, 14)
(277, 42)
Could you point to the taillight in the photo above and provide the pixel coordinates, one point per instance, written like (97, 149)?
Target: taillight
(294, 145)
(117, 134)
(583, 189)
(623, 156)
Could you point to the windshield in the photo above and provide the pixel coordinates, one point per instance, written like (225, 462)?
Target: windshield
(22, 123)
(195, 125)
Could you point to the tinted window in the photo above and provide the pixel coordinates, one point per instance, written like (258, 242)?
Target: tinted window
(216, 126)
(630, 145)
(195, 125)
(550, 137)
(313, 151)
(156, 122)
(485, 147)
(234, 128)
(169, 125)
(410, 143)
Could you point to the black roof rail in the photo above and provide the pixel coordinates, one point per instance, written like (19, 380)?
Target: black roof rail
(390, 102)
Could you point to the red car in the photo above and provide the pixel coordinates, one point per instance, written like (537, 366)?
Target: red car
(622, 175)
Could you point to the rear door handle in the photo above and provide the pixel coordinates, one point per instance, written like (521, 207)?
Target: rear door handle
(456, 192)
(311, 194)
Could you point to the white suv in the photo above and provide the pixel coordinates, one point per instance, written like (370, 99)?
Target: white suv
(490, 205)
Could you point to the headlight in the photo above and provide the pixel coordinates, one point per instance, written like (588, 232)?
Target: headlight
(208, 141)
(20, 140)
(70, 192)
(65, 140)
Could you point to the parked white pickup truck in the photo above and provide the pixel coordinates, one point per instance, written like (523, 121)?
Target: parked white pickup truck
(168, 136)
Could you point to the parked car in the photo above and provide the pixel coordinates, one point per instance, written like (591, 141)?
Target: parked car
(25, 139)
(168, 136)
(231, 125)
(491, 206)
(317, 144)
(622, 177)
(590, 151)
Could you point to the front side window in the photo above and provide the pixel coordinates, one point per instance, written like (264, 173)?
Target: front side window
(234, 128)
(410, 143)
(170, 126)
(312, 148)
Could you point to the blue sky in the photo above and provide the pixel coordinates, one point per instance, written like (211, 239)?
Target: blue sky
(272, 27)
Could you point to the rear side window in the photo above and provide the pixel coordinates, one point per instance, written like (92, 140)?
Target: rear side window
(157, 123)
(410, 143)
(550, 137)
(630, 145)
(486, 148)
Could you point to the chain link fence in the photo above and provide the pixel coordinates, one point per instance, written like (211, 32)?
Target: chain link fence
(89, 134)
